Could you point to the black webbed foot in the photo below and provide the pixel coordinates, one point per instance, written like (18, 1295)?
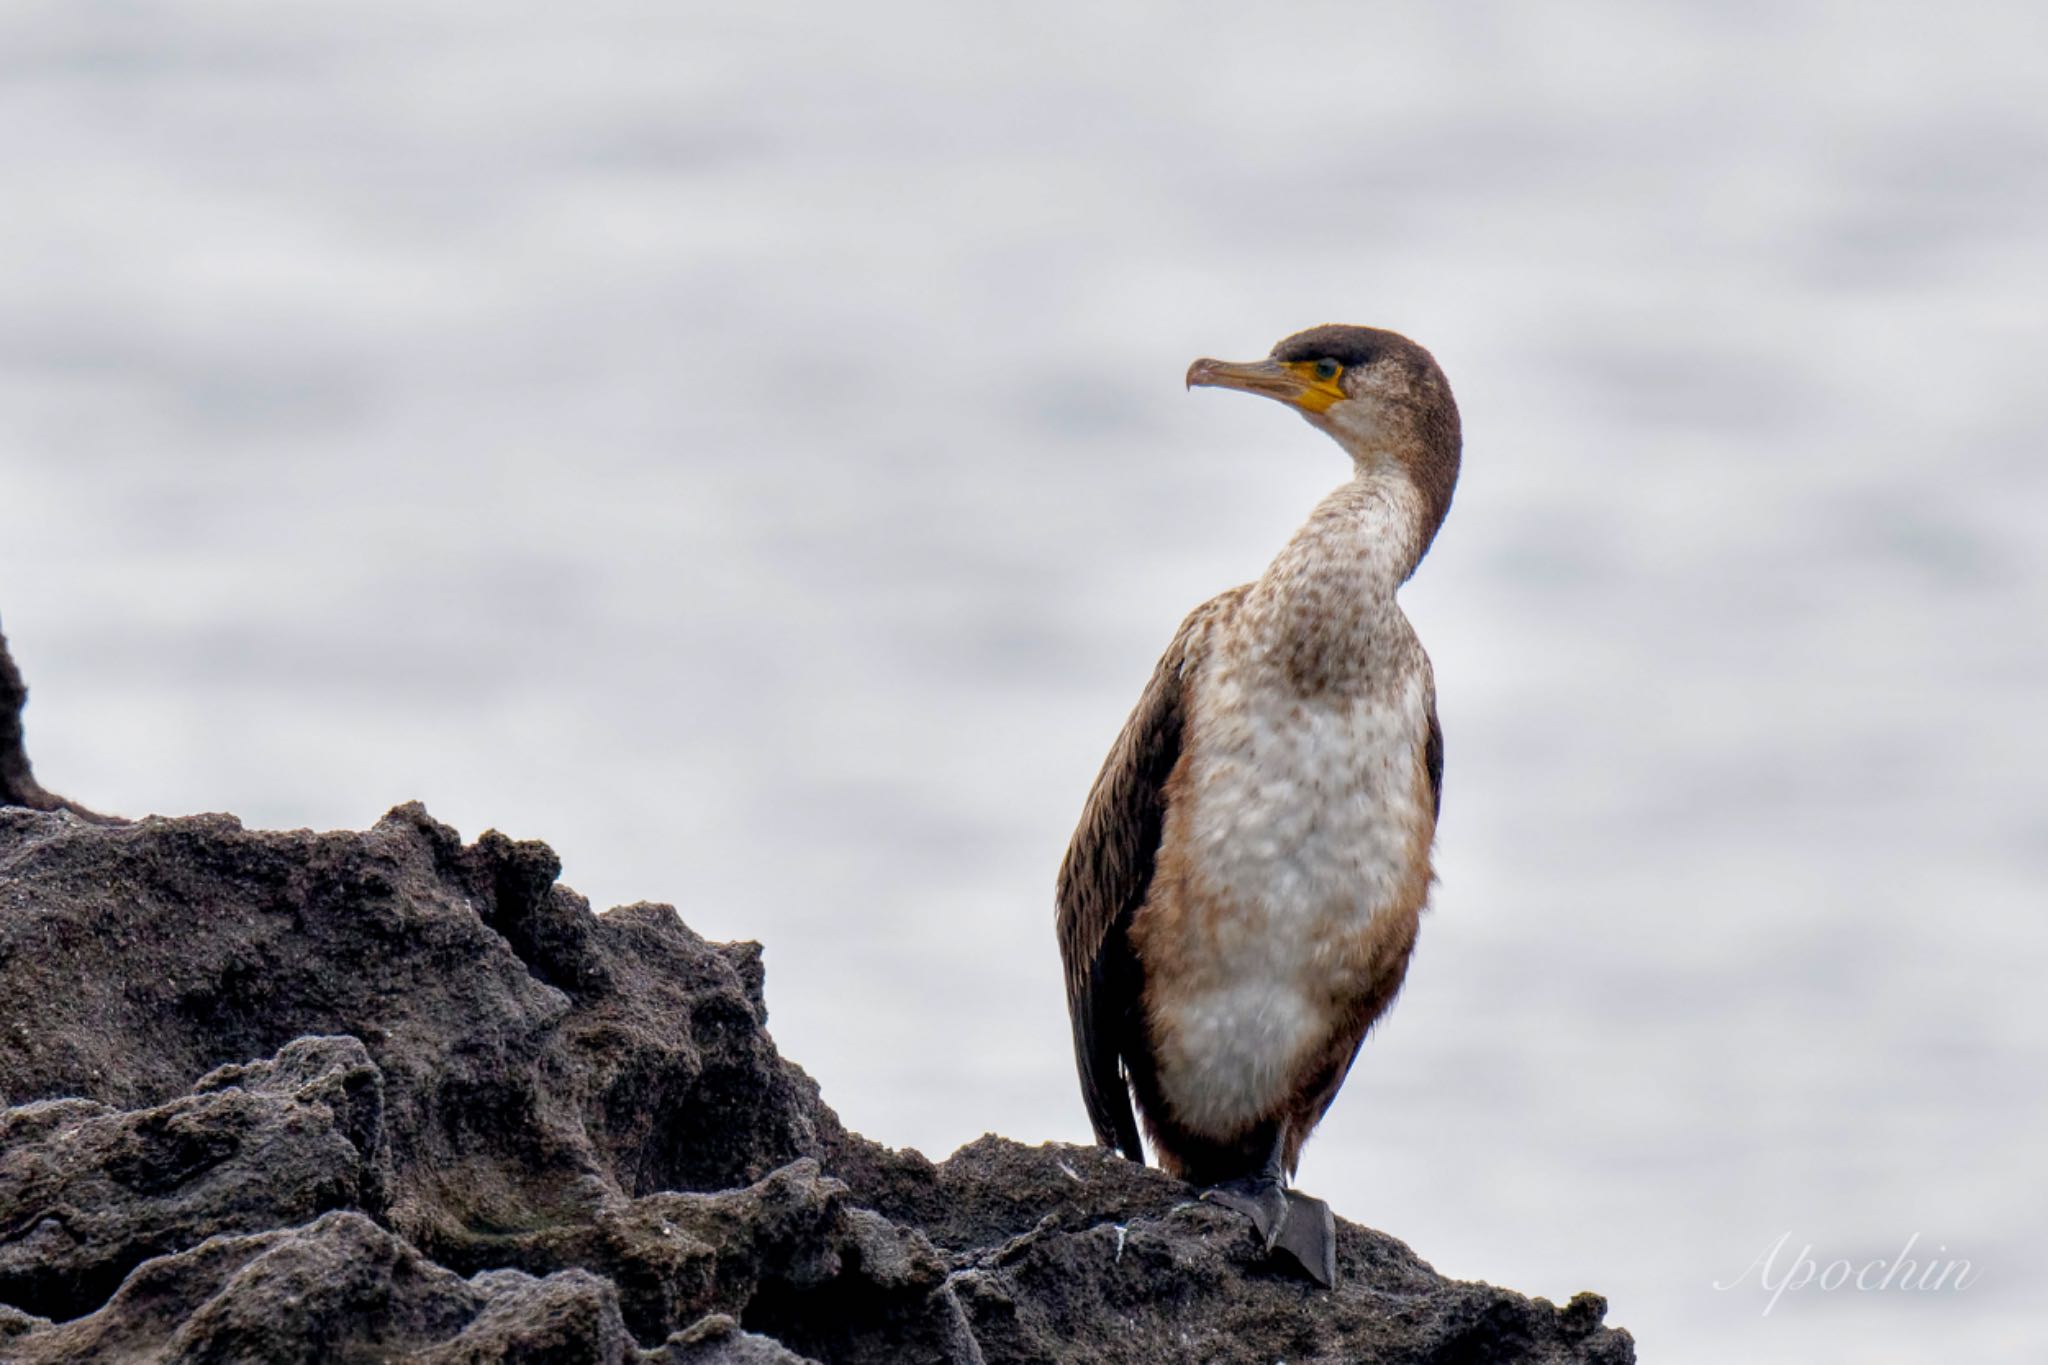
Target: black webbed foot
(1294, 1226)
(1259, 1198)
(1308, 1236)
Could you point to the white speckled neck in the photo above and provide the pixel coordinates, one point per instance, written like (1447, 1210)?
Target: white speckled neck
(1325, 607)
(1374, 521)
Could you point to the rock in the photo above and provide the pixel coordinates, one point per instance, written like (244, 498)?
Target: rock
(571, 1316)
(628, 1056)
(793, 1254)
(338, 1288)
(1072, 1253)
(386, 1096)
(90, 1193)
(718, 1340)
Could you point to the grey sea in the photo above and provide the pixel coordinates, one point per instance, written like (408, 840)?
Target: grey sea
(744, 445)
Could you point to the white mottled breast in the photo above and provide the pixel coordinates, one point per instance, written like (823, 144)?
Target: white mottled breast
(1298, 821)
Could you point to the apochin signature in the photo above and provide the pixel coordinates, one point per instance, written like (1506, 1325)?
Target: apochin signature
(1876, 1276)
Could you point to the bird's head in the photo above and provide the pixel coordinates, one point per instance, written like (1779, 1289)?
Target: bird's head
(1376, 393)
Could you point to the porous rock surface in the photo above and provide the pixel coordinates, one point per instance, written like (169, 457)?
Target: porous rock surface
(384, 1096)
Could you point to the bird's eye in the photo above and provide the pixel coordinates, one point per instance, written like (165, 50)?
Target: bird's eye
(1326, 370)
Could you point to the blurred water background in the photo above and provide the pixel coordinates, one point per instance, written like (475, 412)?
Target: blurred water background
(743, 444)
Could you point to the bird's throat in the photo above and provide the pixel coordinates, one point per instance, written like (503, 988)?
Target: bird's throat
(1324, 610)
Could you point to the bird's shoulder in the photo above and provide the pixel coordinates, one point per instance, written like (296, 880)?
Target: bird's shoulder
(1192, 642)
(1108, 861)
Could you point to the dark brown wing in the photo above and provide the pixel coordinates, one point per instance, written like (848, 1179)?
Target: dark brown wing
(1433, 759)
(1103, 881)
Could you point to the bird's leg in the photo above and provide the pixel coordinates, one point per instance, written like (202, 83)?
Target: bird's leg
(1294, 1224)
(1260, 1196)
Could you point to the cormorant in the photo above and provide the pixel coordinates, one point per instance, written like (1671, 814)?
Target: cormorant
(1241, 897)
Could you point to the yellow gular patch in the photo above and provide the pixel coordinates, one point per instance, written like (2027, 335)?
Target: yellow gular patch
(1318, 394)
